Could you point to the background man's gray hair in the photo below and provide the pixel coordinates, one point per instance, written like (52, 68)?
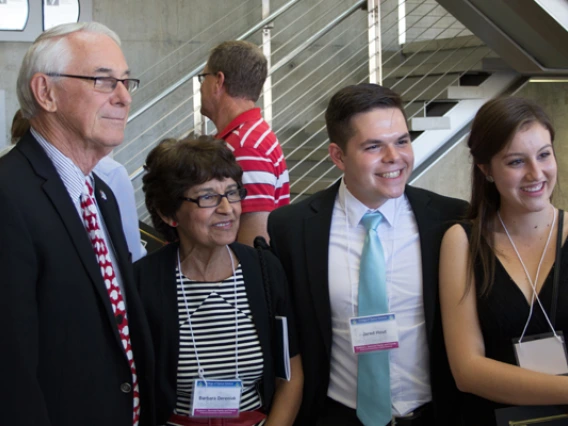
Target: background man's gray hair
(50, 53)
(243, 65)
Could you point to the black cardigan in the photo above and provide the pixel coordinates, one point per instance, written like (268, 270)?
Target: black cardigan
(156, 281)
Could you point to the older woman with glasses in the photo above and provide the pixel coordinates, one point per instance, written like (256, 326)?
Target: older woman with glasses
(211, 302)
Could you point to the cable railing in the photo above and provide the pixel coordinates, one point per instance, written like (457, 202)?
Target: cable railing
(163, 95)
(316, 55)
(301, 112)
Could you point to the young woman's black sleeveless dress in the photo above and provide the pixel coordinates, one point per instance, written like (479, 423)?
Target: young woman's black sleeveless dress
(502, 316)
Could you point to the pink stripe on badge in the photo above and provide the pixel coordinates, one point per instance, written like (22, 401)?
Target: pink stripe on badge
(215, 412)
(376, 347)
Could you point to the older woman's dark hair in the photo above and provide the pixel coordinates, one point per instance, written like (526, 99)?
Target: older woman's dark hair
(175, 166)
(493, 129)
(20, 126)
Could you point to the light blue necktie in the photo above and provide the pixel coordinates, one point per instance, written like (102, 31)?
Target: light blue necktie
(373, 373)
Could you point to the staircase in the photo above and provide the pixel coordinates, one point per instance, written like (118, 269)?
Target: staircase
(443, 73)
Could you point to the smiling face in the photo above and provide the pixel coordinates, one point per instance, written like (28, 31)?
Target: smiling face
(83, 114)
(525, 171)
(378, 159)
(212, 226)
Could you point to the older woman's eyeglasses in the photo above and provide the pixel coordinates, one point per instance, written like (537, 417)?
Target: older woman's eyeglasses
(213, 200)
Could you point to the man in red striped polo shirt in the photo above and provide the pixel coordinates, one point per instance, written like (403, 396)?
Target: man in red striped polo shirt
(230, 86)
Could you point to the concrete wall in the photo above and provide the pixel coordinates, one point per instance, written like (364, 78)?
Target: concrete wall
(157, 36)
(451, 176)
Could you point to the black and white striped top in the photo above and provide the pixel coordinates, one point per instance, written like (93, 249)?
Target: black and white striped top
(212, 309)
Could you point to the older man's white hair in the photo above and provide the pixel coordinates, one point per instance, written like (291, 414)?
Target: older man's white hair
(50, 53)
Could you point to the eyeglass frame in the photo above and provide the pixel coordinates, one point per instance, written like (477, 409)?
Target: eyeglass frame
(104, 78)
(241, 191)
(201, 77)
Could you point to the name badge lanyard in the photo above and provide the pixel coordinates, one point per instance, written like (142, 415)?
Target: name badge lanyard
(348, 240)
(200, 370)
(531, 282)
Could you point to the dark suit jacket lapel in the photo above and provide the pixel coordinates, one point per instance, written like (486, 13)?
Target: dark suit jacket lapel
(57, 193)
(317, 229)
(427, 219)
(113, 224)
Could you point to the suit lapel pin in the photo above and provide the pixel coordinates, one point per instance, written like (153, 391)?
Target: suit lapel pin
(103, 195)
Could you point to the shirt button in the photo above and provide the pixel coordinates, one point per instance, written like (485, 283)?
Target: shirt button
(125, 387)
(119, 319)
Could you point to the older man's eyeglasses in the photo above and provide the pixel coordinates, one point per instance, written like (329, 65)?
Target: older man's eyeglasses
(213, 200)
(104, 84)
(202, 76)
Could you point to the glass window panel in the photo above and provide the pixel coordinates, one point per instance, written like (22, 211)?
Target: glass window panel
(13, 14)
(57, 12)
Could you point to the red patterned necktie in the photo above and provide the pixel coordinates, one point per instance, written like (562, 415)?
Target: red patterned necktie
(91, 221)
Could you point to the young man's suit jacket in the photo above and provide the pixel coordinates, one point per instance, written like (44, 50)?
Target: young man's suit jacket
(299, 236)
(62, 362)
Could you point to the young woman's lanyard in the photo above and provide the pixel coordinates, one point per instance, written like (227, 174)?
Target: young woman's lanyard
(200, 369)
(531, 282)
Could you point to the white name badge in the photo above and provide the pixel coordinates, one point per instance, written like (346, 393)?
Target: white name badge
(543, 353)
(373, 333)
(216, 398)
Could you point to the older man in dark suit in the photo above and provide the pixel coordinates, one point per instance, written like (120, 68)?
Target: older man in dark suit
(75, 342)
(362, 262)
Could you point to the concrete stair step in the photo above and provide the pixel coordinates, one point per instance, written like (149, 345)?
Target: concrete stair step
(467, 92)
(399, 85)
(473, 63)
(429, 123)
(445, 44)
(415, 109)
(449, 56)
(426, 90)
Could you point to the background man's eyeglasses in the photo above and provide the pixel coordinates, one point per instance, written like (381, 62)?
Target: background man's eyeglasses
(104, 84)
(213, 200)
(202, 76)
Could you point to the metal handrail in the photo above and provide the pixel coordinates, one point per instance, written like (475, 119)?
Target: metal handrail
(306, 173)
(297, 35)
(436, 66)
(453, 81)
(196, 70)
(307, 92)
(349, 68)
(365, 30)
(196, 37)
(320, 98)
(313, 103)
(321, 65)
(316, 37)
(147, 84)
(292, 22)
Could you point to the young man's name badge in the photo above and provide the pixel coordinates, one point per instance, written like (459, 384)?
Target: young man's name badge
(544, 353)
(373, 333)
(216, 398)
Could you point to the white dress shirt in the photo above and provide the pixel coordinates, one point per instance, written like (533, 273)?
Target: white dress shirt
(74, 181)
(398, 232)
(115, 175)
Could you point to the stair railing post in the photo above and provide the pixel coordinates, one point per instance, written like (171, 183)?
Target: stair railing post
(375, 51)
(267, 50)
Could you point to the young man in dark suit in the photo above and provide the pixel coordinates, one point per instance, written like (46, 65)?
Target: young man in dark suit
(75, 342)
(340, 268)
